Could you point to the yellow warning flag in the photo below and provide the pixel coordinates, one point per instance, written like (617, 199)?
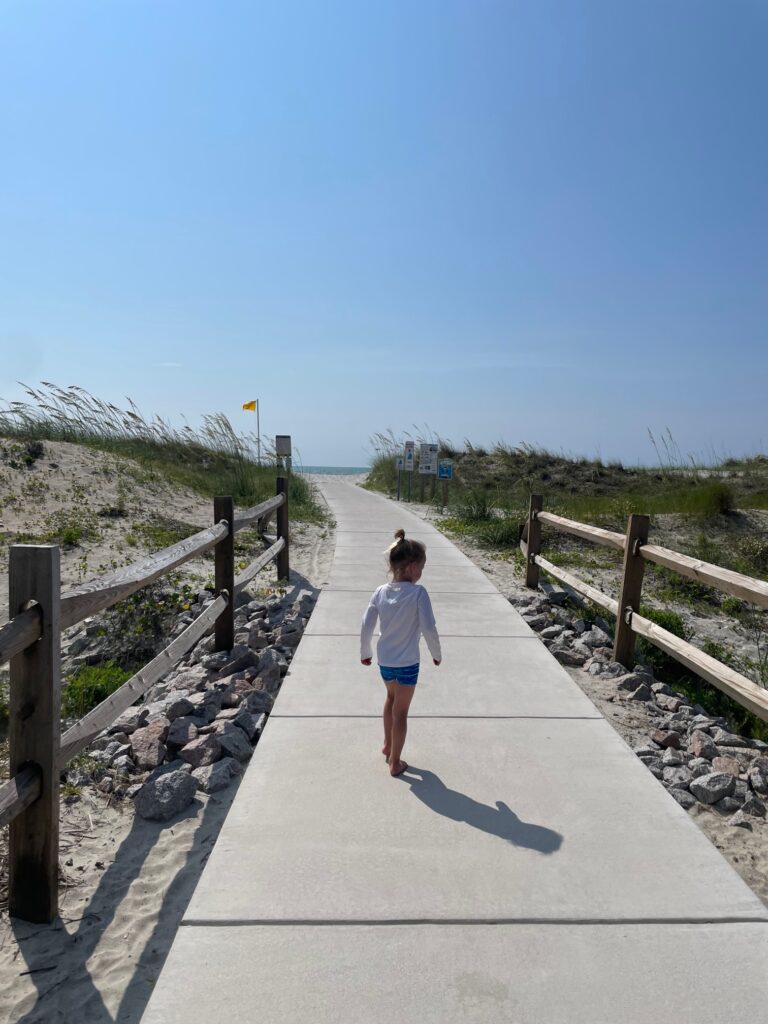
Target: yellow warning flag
(251, 406)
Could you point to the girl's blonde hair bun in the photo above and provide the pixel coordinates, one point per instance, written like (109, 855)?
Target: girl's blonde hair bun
(399, 535)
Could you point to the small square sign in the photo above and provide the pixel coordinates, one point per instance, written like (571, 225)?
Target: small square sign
(445, 469)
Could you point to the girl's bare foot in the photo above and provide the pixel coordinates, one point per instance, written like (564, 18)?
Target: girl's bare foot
(398, 768)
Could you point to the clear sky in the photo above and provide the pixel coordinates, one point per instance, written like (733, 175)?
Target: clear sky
(523, 221)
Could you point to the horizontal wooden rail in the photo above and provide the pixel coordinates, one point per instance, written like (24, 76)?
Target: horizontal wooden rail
(22, 630)
(595, 534)
(18, 793)
(595, 596)
(750, 695)
(105, 591)
(80, 735)
(262, 511)
(744, 587)
(258, 564)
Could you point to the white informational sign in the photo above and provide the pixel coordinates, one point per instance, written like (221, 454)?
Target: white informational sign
(409, 452)
(445, 469)
(283, 445)
(399, 463)
(428, 459)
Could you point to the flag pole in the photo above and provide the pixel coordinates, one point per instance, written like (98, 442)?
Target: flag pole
(258, 435)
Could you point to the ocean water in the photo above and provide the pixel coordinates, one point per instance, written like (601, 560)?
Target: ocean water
(332, 470)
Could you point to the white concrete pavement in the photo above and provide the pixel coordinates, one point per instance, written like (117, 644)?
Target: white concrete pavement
(527, 869)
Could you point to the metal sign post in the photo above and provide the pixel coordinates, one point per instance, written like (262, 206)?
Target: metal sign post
(409, 453)
(445, 473)
(427, 465)
(399, 464)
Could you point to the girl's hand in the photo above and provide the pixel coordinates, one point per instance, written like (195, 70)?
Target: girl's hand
(436, 662)
(365, 661)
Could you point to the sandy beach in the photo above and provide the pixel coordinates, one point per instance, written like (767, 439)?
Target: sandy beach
(126, 882)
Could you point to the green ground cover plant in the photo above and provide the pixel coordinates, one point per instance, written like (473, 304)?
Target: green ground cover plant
(89, 686)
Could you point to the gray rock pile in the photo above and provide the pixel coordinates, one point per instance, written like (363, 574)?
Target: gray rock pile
(695, 755)
(196, 729)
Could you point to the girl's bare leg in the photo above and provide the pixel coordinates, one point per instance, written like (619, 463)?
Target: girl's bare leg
(403, 697)
(389, 702)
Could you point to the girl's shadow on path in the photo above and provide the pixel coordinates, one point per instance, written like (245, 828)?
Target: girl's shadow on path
(496, 821)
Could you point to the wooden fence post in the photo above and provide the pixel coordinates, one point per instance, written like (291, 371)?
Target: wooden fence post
(533, 541)
(283, 559)
(224, 554)
(35, 714)
(631, 588)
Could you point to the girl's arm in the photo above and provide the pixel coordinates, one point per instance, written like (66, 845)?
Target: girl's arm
(366, 630)
(428, 626)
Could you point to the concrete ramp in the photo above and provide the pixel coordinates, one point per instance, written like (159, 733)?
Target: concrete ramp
(527, 868)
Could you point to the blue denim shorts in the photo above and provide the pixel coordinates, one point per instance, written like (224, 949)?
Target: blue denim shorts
(408, 676)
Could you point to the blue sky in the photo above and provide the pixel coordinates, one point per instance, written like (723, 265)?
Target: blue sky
(522, 221)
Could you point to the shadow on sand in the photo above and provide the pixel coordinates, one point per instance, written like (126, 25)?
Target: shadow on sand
(496, 821)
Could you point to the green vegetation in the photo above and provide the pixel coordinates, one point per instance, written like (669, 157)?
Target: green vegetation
(89, 686)
(212, 460)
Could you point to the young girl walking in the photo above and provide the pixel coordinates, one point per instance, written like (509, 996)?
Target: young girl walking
(405, 613)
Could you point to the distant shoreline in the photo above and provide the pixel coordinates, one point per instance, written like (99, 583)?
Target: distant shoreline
(333, 470)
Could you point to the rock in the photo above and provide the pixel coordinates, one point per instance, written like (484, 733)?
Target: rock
(182, 731)
(713, 787)
(662, 688)
(645, 749)
(537, 622)
(215, 777)
(596, 637)
(201, 751)
(677, 777)
(630, 682)
(729, 739)
(701, 744)
(758, 780)
(269, 658)
(727, 805)
(666, 738)
(668, 703)
(753, 806)
(257, 702)
(555, 595)
(683, 797)
(579, 627)
(702, 722)
(163, 796)
(595, 668)
(206, 705)
(699, 766)
(148, 744)
(130, 721)
(739, 820)
(550, 632)
(233, 742)
(569, 657)
(643, 692)
(125, 765)
(672, 757)
(242, 658)
(250, 724)
(726, 764)
(759, 745)
(175, 705)
(614, 668)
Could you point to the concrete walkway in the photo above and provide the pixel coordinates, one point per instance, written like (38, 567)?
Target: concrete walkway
(527, 868)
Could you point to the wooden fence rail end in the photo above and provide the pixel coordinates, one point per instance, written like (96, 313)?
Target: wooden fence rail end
(19, 792)
(22, 630)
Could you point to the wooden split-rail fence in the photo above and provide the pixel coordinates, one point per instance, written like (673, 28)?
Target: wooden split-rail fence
(629, 622)
(31, 641)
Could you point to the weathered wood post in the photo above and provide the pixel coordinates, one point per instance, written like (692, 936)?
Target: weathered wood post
(631, 588)
(35, 714)
(283, 558)
(533, 541)
(224, 574)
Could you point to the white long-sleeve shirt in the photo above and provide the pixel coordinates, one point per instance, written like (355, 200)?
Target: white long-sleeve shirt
(405, 613)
